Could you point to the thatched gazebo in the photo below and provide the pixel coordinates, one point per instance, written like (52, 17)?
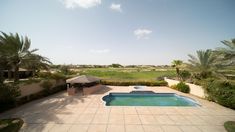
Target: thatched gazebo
(87, 84)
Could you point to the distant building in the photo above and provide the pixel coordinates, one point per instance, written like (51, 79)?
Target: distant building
(23, 73)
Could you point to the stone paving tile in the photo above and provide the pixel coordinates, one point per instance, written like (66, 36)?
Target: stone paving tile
(116, 128)
(156, 111)
(132, 119)
(100, 119)
(130, 111)
(143, 111)
(179, 119)
(148, 119)
(134, 128)
(190, 129)
(103, 110)
(90, 111)
(171, 129)
(164, 120)
(116, 119)
(31, 128)
(212, 128)
(195, 120)
(84, 119)
(97, 128)
(152, 128)
(116, 110)
(78, 128)
(60, 128)
(214, 120)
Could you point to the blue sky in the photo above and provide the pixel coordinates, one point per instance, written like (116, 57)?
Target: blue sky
(119, 31)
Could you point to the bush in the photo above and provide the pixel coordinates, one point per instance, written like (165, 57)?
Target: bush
(173, 87)
(182, 87)
(230, 126)
(11, 125)
(47, 85)
(8, 94)
(128, 83)
(222, 92)
(184, 75)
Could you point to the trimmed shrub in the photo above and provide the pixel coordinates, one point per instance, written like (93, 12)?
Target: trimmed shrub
(8, 94)
(128, 83)
(229, 126)
(182, 87)
(47, 85)
(222, 92)
(11, 125)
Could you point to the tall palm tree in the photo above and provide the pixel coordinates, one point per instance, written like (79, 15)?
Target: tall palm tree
(227, 52)
(226, 58)
(177, 64)
(204, 64)
(36, 62)
(17, 51)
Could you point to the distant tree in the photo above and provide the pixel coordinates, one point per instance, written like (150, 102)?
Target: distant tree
(177, 64)
(116, 65)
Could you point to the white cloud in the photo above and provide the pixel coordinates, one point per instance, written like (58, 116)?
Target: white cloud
(142, 33)
(116, 7)
(80, 3)
(99, 51)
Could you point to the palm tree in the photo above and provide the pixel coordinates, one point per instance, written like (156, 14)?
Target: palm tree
(177, 64)
(17, 52)
(226, 58)
(204, 64)
(227, 52)
(36, 62)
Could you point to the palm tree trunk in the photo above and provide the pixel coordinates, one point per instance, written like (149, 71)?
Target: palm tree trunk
(178, 73)
(9, 74)
(16, 73)
(1, 76)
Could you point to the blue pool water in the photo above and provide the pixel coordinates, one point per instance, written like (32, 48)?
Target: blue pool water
(148, 99)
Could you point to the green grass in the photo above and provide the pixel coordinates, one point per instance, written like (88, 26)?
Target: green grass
(10, 125)
(230, 126)
(128, 74)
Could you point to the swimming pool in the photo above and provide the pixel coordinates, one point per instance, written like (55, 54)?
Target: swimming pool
(148, 99)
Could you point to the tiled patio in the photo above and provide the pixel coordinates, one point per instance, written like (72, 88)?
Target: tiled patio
(62, 113)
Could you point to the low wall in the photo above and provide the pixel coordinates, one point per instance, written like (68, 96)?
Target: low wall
(93, 89)
(194, 89)
(28, 89)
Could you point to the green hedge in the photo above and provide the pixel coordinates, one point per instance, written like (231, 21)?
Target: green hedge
(222, 92)
(8, 94)
(11, 125)
(229, 126)
(128, 83)
(182, 87)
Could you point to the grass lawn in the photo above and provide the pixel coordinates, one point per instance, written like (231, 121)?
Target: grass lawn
(128, 74)
(230, 126)
(10, 125)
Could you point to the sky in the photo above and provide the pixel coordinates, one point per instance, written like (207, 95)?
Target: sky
(139, 32)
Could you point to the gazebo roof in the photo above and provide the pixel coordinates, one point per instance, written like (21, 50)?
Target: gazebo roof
(82, 79)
